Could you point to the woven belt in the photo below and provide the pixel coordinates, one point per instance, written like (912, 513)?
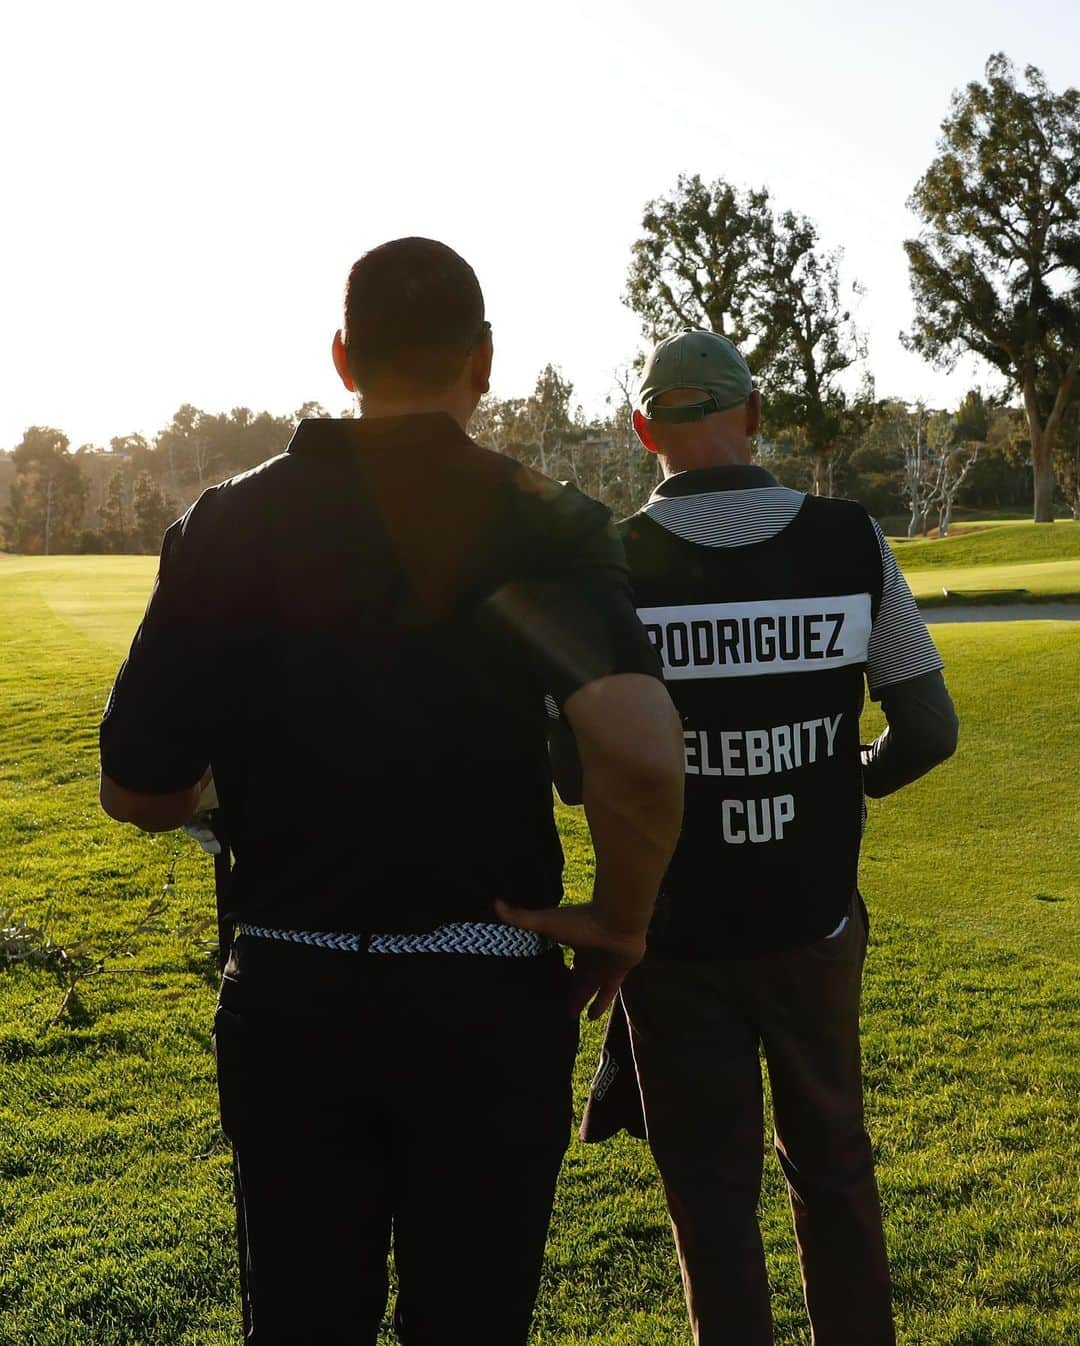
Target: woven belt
(475, 937)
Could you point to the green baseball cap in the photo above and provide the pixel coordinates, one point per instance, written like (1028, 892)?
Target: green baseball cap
(694, 358)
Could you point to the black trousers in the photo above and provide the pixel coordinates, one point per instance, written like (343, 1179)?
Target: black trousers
(423, 1099)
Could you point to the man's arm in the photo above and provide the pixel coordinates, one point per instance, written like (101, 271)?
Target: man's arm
(573, 617)
(153, 736)
(631, 745)
(633, 764)
(904, 674)
(921, 733)
(150, 812)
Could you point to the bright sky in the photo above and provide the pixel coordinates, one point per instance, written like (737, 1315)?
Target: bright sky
(185, 187)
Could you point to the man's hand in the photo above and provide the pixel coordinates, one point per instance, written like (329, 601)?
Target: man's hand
(199, 828)
(602, 956)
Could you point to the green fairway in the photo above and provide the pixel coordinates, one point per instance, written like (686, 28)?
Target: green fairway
(115, 1188)
(996, 543)
(1033, 581)
(996, 562)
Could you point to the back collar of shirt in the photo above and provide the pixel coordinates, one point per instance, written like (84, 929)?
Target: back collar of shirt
(319, 434)
(737, 477)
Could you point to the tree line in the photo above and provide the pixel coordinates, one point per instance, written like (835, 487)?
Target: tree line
(995, 272)
(907, 463)
(120, 498)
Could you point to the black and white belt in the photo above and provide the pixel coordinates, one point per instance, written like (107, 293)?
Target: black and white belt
(491, 939)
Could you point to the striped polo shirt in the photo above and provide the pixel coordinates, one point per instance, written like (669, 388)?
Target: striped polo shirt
(900, 646)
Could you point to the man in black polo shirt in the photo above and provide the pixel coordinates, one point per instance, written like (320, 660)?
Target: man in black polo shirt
(768, 609)
(357, 638)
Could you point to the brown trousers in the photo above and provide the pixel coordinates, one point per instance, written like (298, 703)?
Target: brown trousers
(696, 1029)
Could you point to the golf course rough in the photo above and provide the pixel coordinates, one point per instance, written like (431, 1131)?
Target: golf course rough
(115, 1187)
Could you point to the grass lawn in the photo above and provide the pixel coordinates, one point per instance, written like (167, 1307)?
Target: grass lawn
(992, 543)
(996, 561)
(115, 1189)
(1029, 582)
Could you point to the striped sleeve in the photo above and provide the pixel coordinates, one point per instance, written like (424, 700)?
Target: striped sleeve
(900, 644)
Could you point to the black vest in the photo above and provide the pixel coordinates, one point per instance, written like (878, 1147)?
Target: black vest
(764, 650)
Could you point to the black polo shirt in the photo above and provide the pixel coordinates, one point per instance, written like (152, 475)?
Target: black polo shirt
(358, 636)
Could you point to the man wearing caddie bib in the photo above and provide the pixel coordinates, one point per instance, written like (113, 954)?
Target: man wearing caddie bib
(770, 610)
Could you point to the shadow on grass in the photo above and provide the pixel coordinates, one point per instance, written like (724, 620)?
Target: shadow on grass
(205, 965)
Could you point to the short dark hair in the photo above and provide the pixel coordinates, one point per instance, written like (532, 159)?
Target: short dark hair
(413, 308)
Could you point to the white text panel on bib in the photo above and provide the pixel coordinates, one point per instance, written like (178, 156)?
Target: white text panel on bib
(739, 640)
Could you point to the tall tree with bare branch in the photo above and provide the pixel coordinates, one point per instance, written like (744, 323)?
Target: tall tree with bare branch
(996, 269)
(716, 257)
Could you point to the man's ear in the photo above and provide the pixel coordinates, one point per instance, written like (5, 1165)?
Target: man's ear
(480, 358)
(753, 414)
(341, 362)
(641, 429)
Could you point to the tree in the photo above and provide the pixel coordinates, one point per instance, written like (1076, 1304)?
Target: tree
(134, 450)
(548, 422)
(541, 430)
(239, 440)
(812, 337)
(874, 479)
(602, 457)
(996, 270)
(497, 424)
(265, 436)
(151, 511)
(691, 266)
(1068, 459)
(114, 514)
(186, 446)
(91, 542)
(633, 472)
(910, 451)
(948, 469)
(1002, 477)
(783, 451)
(972, 419)
(970, 428)
(903, 431)
(48, 493)
(711, 256)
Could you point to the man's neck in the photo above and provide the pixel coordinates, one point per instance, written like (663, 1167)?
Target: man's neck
(736, 455)
(373, 407)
